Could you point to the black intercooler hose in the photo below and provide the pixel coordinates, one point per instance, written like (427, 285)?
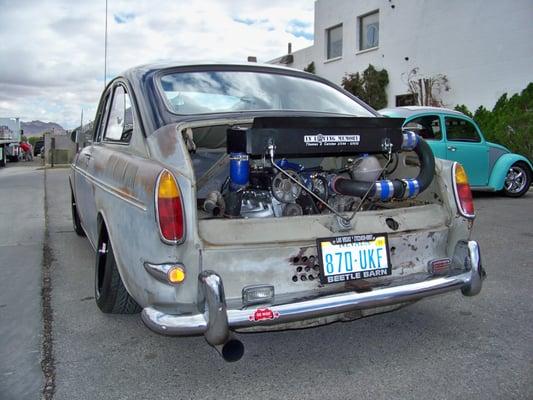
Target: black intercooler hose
(385, 190)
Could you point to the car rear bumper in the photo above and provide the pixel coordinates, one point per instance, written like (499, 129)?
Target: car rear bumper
(215, 320)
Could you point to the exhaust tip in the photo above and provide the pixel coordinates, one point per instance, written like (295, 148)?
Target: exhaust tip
(232, 350)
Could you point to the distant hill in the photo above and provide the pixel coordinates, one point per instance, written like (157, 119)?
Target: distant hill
(37, 128)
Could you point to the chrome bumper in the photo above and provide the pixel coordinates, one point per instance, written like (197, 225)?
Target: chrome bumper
(215, 321)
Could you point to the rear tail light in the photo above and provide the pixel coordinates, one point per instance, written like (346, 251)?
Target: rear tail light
(169, 209)
(463, 194)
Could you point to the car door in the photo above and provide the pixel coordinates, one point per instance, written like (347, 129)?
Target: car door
(116, 130)
(465, 145)
(84, 181)
(429, 127)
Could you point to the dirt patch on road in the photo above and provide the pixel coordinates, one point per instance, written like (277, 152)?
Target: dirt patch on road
(47, 350)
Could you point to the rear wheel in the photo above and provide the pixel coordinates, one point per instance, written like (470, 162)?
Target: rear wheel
(110, 293)
(517, 180)
(76, 223)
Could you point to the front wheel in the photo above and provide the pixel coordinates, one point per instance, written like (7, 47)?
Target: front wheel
(76, 223)
(110, 293)
(517, 180)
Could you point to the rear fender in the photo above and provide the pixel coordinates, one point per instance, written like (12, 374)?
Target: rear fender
(497, 176)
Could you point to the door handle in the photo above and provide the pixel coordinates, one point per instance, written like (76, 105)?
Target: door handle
(451, 148)
(87, 155)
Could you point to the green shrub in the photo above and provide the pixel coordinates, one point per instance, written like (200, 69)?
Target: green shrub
(310, 68)
(510, 122)
(370, 86)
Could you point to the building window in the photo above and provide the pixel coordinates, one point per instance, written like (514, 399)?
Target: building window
(334, 42)
(406, 100)
(369, 31)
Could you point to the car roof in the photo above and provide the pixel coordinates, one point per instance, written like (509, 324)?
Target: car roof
(143, 81)
(408, 111)
(146, 68)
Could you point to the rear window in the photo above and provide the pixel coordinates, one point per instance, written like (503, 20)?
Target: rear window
(233, 91)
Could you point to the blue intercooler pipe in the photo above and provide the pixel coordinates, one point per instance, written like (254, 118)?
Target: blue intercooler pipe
(385, 189)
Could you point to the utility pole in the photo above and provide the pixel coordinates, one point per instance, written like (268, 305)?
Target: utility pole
(105, 47)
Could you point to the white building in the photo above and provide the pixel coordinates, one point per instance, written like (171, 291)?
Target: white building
(484, 47)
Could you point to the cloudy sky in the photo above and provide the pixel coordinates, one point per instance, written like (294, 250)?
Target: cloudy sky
(52, 51)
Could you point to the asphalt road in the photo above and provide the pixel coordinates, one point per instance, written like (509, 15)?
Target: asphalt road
(21, 250)
(447, 347)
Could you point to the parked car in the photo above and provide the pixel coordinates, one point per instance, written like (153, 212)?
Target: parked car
(223, 198)
(38, 147)
(454, 136)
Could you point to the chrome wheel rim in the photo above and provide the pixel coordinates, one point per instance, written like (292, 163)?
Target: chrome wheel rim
(516, 179)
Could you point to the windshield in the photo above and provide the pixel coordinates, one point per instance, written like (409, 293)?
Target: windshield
(228, 91)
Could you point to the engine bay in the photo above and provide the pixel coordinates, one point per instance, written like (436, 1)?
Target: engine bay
(286, 167)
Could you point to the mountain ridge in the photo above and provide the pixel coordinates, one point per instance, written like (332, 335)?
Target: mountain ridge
(37, 128)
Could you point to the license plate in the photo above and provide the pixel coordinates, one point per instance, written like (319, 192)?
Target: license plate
(347, 258)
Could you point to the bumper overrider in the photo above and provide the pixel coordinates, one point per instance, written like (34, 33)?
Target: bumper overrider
(216, 321)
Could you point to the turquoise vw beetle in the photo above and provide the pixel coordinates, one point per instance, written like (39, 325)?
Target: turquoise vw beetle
(454, 136)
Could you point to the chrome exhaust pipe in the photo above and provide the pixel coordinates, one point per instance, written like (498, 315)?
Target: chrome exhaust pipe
(212, 301)
(231, 351)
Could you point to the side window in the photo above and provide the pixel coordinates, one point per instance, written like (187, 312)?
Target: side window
(103, 118)
(461, 130)
(120, 122)
(427, 126)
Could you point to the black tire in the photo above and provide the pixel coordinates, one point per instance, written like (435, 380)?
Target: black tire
(109, 291)
(76, 223)
(519, 186)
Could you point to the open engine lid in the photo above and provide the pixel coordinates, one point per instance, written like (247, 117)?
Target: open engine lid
(311, 136)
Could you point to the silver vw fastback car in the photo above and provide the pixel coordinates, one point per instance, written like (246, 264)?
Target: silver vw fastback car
(244, 198)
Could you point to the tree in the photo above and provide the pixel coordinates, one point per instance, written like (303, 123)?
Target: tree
(370, 86)
(310, 68)
(426, 89)
(510, 122)
(464, 109)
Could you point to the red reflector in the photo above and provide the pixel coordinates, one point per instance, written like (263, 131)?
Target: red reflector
(439, 265)
(465, 196)
(171, 218)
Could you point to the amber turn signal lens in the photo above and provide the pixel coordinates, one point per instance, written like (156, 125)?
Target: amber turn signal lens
(176, 275)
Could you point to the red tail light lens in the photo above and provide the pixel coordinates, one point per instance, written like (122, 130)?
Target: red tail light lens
(169, 208)
(463, 194)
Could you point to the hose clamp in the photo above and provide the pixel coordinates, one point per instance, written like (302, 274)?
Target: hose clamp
(410, 140)
(384, 190)
(412, 188)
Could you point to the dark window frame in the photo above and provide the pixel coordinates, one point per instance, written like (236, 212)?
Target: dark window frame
(328, 42)
(360, 23)
(478, 135)
(111, 100)
(434, 117)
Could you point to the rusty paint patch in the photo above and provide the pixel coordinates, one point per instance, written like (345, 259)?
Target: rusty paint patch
(166, 141)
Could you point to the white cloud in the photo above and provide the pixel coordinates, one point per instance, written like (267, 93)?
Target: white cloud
(55, 49)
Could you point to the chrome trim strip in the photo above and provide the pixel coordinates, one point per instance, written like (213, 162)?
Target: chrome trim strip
(215, 321)
(111, 190)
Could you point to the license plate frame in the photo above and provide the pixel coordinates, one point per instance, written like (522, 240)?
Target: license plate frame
(352, 243)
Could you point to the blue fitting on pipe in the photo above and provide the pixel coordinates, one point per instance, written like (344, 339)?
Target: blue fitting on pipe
(410, 140)
(384, 190)
(412, 188)
(239, 170)
(286, 164)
